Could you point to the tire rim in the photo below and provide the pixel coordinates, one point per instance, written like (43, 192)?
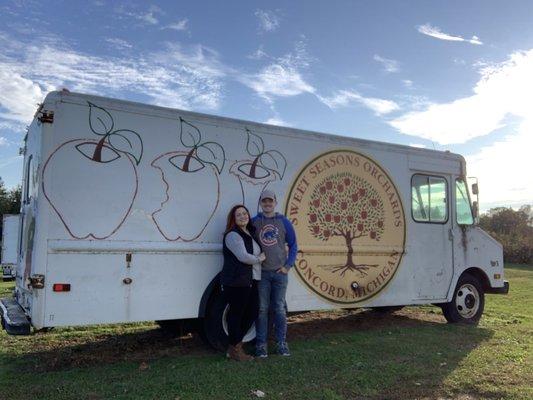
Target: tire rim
(250, 335)
(467, 301)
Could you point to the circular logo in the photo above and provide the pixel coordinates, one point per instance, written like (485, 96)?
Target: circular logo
(268, 236)
(350, 225)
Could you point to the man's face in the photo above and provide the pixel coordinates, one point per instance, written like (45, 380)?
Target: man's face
(268, 205)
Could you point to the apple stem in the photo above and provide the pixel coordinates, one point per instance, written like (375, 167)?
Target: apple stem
(97, 155)
(188, 159)
(254, 164)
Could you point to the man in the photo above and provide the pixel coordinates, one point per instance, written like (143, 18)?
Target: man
(275, 233)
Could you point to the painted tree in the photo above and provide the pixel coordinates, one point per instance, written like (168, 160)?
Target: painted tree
(347, 206)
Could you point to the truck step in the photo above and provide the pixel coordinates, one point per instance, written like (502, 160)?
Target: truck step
(14, 320)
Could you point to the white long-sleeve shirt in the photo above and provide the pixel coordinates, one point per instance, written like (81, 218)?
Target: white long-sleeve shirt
(236, 245)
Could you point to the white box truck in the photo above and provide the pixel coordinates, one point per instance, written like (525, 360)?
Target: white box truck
(10, 234)
(124, 208)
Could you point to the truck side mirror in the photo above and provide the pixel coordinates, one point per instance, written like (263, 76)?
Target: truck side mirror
(475, 189)
(475, 210)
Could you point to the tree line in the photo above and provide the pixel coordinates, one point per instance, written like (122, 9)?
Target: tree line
(9, 202)
(513, 229)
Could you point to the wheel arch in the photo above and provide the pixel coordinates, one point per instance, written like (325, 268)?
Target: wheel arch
(480, 275)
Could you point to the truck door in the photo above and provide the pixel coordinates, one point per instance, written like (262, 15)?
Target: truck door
(463, 221)
(431, 245)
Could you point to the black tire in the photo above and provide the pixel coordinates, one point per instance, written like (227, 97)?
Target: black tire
(213, 327)
(386, 309)
(468, 302)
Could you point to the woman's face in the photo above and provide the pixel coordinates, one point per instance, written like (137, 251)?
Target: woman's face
(241, 217)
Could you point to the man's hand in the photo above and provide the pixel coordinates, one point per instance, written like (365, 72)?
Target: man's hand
(283, 270)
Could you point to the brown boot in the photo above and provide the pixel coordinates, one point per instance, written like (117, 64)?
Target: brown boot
(242, 353)
(232, 353)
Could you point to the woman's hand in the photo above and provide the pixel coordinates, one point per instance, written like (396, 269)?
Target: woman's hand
(262, 257)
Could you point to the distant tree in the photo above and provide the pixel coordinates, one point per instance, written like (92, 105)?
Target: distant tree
(507, 221)
(513, 229)
(9, 202)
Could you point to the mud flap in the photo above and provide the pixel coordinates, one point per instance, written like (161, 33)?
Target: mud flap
(14, 320)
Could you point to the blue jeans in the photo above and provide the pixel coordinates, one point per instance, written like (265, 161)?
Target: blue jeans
(272, 288)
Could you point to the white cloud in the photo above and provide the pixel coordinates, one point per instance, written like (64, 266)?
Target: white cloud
(418, 145)
(388, 65)
(345, 98)
(268, 20)
(4, 141)
(258, 54)
(276, 121)
(181, 25)
(148, 17)
(18, 96)
(435, 32)
(503, 89)
(176, 77)
(504, 169)
(119, 44)
(281, 78)
(407, 83)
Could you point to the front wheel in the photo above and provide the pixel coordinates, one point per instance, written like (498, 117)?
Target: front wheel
(467, 303)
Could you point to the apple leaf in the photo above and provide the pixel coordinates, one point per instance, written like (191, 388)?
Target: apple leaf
(190, 135)
(254, 144)
(179, 161)
(100, 121)
(88, 149)
(274, 161)
(127, 141)
(212, 153)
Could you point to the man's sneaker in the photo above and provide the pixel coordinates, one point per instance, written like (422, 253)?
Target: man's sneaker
(283, 349)
(261, 352)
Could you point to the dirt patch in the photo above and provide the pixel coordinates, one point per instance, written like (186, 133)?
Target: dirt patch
(62, 349)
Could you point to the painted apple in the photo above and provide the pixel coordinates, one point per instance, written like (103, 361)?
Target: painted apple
(312, 218)
(81, 176)
(188, 177)
(327, 217)
(337, 219)
(256, 173)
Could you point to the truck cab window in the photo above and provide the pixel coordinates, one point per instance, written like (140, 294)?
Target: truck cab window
(429, 199)
(462, 204)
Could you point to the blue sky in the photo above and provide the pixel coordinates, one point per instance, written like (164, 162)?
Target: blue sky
(454, 75)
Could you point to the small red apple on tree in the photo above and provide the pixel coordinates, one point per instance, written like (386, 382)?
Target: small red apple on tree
(356, 202)
(89, 183)
(189, 176)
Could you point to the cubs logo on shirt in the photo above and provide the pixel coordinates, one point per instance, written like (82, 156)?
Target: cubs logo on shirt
(269, 235)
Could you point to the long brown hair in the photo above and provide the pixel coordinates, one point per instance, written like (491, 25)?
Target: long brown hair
(231, 223)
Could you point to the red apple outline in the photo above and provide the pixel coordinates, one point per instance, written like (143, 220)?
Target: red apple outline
(91, 234)
(167, 197)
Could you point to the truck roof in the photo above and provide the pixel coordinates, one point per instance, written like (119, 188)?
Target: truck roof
(166, 112)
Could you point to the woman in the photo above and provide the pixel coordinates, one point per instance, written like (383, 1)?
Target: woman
(240, 273)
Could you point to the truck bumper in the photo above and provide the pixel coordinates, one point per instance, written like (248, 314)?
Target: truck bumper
(499, 290)
(14, 320)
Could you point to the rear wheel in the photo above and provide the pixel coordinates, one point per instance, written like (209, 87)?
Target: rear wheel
(467, 303)
(214, 326)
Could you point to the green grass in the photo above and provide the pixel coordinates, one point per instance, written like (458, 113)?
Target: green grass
(336, 355)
